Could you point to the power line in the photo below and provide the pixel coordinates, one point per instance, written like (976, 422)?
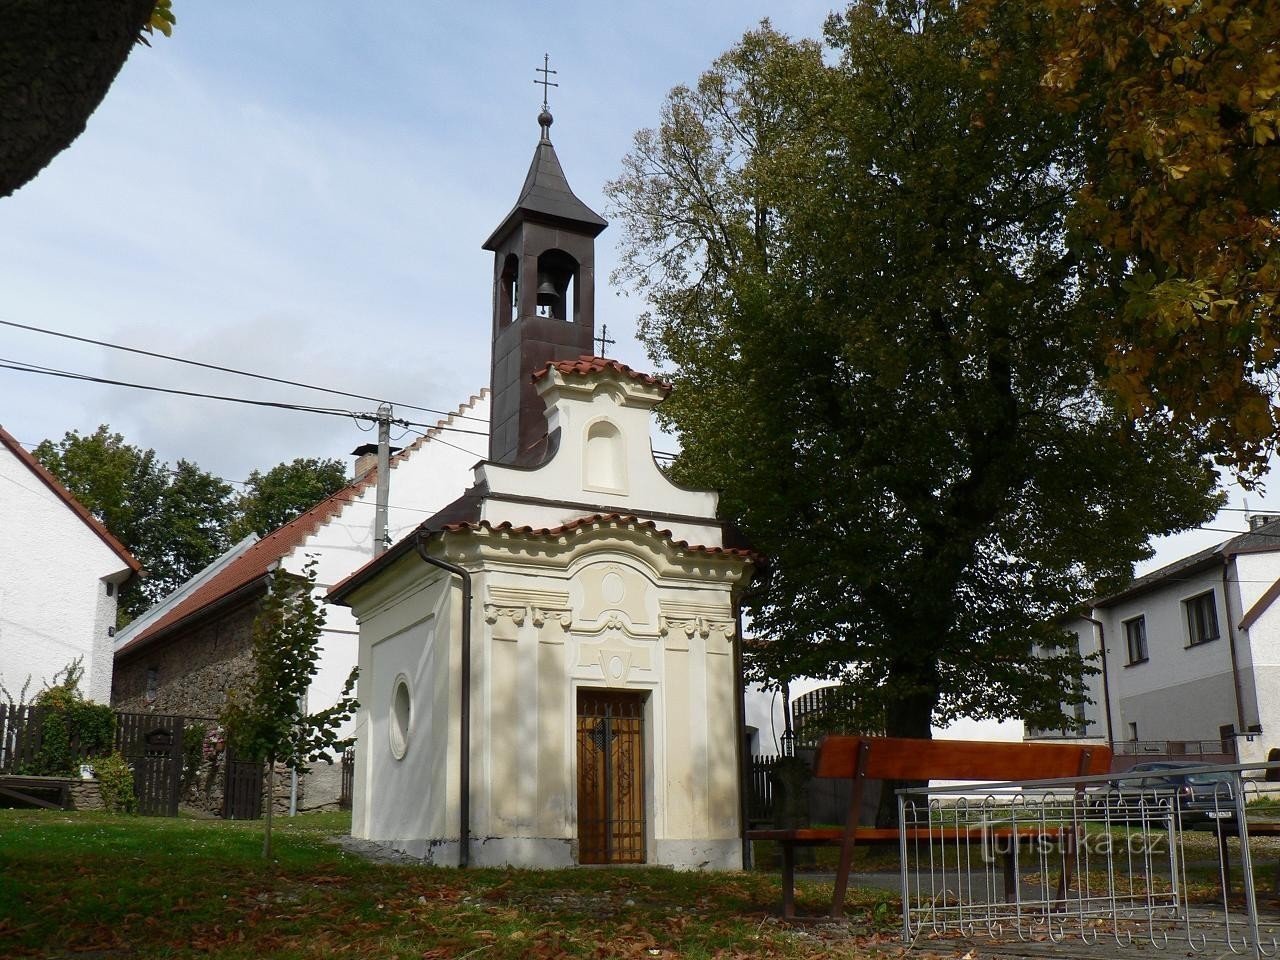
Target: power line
(349, 499)
(427, 436)
(232, 370)
(22, 367)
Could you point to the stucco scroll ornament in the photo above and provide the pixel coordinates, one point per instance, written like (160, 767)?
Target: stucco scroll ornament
(505, 621)
(552, 623)
(719, 634)
(678, 631)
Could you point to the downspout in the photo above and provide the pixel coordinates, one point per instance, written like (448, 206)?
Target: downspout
(464, 704)
(1106, 681)
(1231, 645)
(740, 731)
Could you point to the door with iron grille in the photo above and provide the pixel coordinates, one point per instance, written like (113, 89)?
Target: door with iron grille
(611, 805)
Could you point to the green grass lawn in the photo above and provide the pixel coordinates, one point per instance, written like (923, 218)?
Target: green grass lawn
(102, 886)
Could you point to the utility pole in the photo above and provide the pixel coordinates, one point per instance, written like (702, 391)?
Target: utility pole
(384, 479)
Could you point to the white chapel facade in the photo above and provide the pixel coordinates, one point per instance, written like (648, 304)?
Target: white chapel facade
(549, 672)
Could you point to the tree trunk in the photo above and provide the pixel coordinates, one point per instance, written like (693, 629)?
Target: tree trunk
(907, 716)
(271, 803)
(911, 715)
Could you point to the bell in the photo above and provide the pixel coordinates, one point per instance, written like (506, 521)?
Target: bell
(548, 295)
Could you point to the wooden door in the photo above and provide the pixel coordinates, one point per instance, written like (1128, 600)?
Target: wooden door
(242, 789)
(611, 802)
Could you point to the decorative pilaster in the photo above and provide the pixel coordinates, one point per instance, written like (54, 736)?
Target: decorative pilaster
(505, 622)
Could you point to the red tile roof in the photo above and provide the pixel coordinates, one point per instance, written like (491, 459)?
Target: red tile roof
(596, 521)
(253, 564)
(54, 484)
(587, 364)
(261, 557)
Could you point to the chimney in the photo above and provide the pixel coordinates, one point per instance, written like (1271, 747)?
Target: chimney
(1259, 520)
(366, 459)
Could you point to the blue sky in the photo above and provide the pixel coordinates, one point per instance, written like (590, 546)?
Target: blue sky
(301, 189)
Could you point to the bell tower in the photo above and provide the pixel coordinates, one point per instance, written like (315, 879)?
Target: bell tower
(543, 297)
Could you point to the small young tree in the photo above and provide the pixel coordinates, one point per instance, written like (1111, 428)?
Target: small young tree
(266, 721)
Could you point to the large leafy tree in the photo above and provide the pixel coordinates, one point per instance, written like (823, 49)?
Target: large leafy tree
(173, 520)
(274, 498)
(267, 718)
(884, 345)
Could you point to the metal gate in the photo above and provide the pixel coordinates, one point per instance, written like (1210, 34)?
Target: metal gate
(611, 803)
(152, 745)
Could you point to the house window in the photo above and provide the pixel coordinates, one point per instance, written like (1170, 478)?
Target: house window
(111, 589)
(153, 684)
(1135, 637)
(1202, 618)
(1133, 730)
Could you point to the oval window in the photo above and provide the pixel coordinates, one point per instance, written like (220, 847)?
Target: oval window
(401, 717)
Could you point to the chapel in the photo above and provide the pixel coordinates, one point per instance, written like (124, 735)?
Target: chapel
(549, 672)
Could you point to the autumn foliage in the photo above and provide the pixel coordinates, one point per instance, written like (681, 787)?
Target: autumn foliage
(1183, 185)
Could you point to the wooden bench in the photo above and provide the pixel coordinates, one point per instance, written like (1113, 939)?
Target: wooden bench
(34, 790)
(888, 758)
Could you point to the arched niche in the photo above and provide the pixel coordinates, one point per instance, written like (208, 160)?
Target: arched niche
(604, 460)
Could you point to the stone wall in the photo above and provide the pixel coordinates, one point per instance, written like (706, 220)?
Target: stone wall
(86, 795)
(194, 669)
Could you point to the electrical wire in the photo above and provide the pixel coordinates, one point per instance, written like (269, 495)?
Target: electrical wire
(427, 436)
(347, 499)
(23, 367)
(231, 370)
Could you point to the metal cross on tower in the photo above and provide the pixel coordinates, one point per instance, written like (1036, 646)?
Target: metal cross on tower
(546, 80)
(603, 340)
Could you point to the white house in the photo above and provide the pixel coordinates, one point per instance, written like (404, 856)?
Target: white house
(1189, 655)
(60, 573)
(183, 656)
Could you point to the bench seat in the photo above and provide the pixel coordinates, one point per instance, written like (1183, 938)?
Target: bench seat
(884, 836)
(898, 759)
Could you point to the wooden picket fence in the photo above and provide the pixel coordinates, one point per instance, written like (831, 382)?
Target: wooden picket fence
(19, 736)
(151, 744)
(347, 791)
(760, 789)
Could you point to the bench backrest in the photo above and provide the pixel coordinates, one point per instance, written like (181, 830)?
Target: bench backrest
(897, 758)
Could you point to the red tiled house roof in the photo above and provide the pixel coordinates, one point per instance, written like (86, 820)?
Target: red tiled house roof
(65, 495)
(594, 521)
(252, 566)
